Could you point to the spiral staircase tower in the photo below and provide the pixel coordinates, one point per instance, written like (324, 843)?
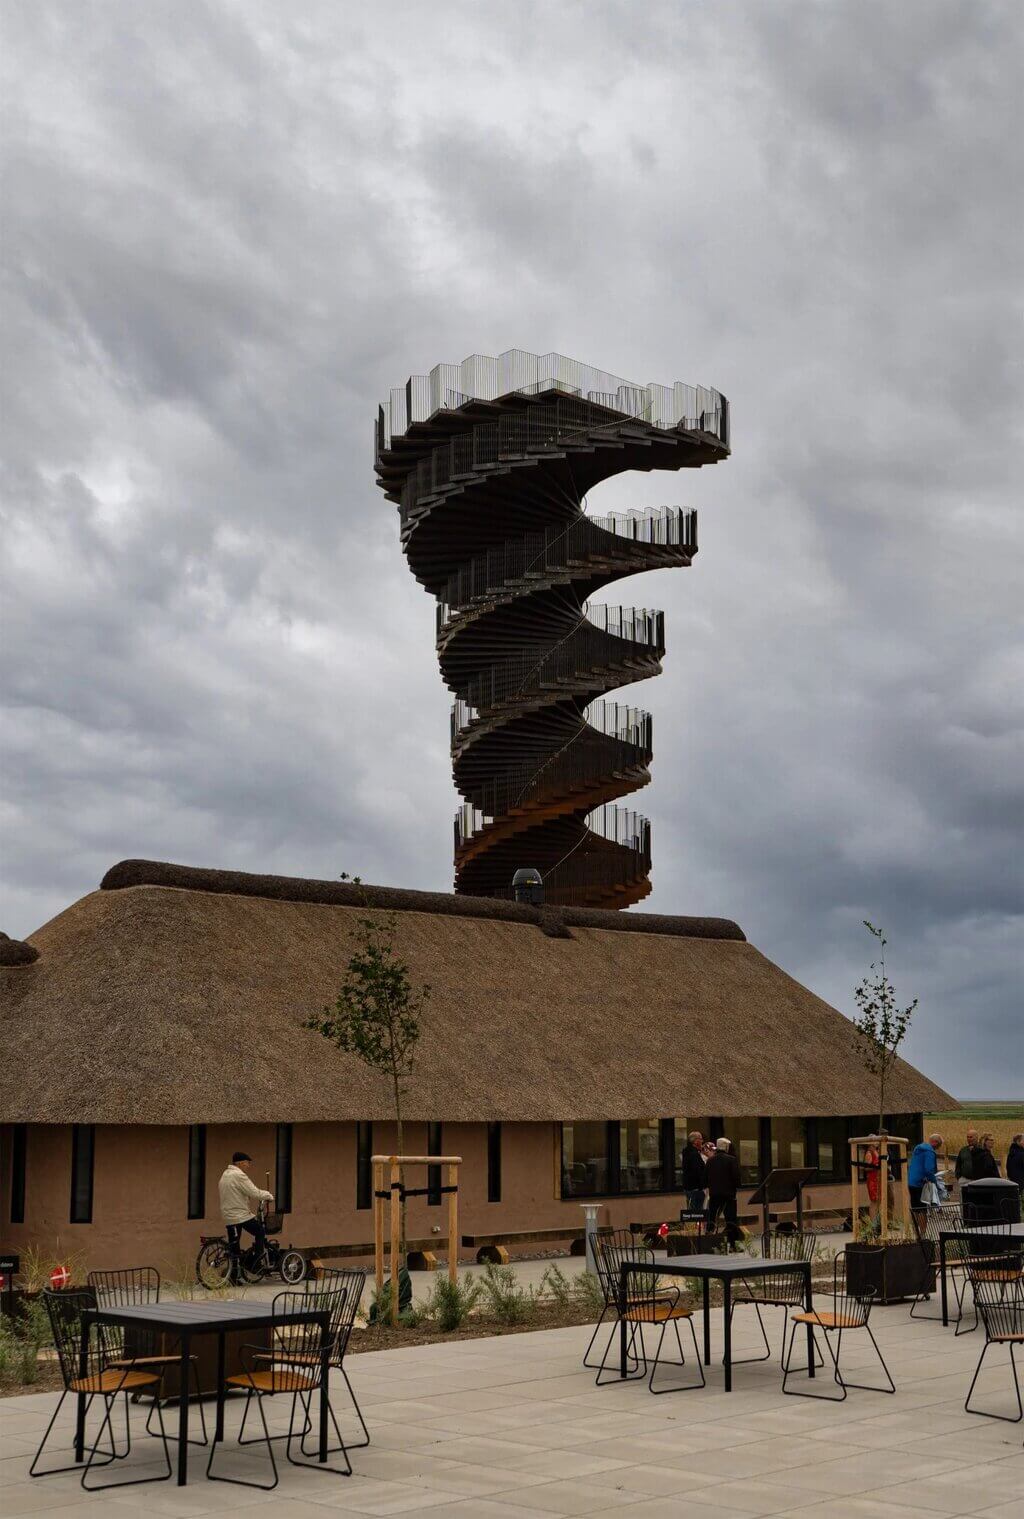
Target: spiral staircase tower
(489, 462)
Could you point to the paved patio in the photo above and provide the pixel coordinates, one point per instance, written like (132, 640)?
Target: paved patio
(512, 1427)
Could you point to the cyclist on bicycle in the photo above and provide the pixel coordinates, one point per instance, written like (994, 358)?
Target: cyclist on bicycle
(240, 1200)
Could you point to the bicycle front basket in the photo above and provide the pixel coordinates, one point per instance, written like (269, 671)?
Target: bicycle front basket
(273, 1223)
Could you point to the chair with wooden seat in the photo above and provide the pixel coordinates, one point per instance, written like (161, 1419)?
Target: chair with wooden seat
(999, 1297)
(294, 1367)
(130, 1287)
(342, 1290)
(98, 1371)
(783, 1289)
(843, 1313)
(646, 1303)
(608, 1244)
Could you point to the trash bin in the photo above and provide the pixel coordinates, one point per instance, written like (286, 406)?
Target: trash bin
(992, 1200)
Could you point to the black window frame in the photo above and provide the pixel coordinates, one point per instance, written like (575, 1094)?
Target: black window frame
(494, 1162)
(283, 1146)
(196, 1190)
(435, 1141)
(364, 1164)
(83, 1172)
(19, 1163)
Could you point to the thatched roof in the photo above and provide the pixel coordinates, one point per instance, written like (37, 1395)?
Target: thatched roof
(172, 1004)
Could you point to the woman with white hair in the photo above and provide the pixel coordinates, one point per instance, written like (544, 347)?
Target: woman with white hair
(723, 1177)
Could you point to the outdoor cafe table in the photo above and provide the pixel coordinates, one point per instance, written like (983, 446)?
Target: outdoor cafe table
(183, 1320)
(724, 1269)
(986, 1232)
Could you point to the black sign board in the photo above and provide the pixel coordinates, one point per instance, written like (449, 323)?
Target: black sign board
(783, 1185)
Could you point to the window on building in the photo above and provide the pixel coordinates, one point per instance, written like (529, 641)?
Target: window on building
(283, 1169)
(364, 1166)
(789, 1142)
(745, 1134)
(197, 1170)
(494, 1162)
(640, 1155)
(684, 1127)
(833, 1159)
(434, 1141)
(19, 1147)
(83, 1147)
(585, 1165)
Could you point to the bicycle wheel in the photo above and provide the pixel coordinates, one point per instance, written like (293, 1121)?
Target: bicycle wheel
(213, 1264)
(292, 1267)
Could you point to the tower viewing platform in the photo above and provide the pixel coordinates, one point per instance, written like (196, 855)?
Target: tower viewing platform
(489, 463)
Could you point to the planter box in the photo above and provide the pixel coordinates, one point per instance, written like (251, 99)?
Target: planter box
(896, 1272)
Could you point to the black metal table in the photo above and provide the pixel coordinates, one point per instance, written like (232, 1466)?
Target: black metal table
(722, 1268)
(988, 1232)
(185, 1320)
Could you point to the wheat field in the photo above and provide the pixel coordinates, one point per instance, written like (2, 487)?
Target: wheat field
(1000, 1119)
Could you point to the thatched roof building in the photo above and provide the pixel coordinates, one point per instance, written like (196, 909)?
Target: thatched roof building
(177, 996)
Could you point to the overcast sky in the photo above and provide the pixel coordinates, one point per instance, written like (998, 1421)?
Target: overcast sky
(231, 227)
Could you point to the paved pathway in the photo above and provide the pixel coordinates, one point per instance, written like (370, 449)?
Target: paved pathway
(512, 1428)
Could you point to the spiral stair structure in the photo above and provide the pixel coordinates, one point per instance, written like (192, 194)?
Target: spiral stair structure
(489, 463)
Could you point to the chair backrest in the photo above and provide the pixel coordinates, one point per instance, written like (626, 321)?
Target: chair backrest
(610, 1250)
(852, 1309)
(300, 1343)
(64, 1310)
(995, 1281)
(127, 1287)
(349, 1283)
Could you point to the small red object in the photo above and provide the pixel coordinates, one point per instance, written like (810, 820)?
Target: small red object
(663, 1231)
(60, 1276)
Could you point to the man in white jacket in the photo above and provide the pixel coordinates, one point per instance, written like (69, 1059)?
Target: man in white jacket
(239, 1204)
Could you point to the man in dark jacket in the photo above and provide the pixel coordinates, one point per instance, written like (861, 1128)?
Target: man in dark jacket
(1015, 1161)
(694, 1172)
(963, 1170)
(723, 1178)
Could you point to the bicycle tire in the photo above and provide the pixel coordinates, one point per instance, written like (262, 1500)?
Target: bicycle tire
(292, 1267)
(213, 1265)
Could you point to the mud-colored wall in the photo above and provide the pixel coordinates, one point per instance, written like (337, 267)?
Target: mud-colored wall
(140, 1198)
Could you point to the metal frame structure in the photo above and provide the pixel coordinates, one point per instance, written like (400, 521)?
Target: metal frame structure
(489, 463)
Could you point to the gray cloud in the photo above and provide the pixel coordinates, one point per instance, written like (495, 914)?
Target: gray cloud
(229, 229)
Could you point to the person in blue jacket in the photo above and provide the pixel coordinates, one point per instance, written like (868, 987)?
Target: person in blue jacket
(924, 1163)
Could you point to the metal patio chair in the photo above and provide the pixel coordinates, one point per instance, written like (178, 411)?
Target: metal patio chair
(845, 1314)
(998, 1289)
(342, 1291)
(783, 1290)
(606, 1243)
(928, 1222)
(647, 1302)
(96, 1373)
(293, 1367)
(134, 1286)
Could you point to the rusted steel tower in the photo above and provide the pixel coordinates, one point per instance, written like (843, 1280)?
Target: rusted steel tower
(489, 462)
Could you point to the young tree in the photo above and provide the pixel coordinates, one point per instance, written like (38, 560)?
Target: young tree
(376, 1012)
(881, 1025)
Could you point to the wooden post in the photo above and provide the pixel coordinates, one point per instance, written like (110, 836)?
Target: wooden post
(378, 1226)
(396, 1219)
(854, 1171)
(883, 1185)
(453, 1223)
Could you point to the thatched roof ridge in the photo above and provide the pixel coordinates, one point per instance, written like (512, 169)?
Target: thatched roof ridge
(16, 951)
(157, 1004)
(399, 899)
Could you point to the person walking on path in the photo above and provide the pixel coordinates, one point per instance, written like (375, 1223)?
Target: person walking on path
(983, 1160)
(924, 1166)
(694, 1172)
(723, 1178)
(1015, 1161)
(963, 1170)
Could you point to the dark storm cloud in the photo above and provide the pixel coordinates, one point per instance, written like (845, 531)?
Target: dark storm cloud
(229, 229)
